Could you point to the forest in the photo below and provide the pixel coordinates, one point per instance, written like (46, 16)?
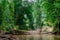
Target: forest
(30, 15)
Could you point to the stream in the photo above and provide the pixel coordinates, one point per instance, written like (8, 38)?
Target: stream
(38, 37)
(31, 37)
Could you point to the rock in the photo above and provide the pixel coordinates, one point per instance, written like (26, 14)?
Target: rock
(5, 36)
(47, 29)
(2, 32)
(8, 37)
(57, 33)
(5, 39)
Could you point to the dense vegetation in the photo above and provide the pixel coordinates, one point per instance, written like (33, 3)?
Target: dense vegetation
(29, 15)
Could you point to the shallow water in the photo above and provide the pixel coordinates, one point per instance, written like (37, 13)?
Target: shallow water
(38, 37)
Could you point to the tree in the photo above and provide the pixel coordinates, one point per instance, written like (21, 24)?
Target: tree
(8, 15)
(1, 11)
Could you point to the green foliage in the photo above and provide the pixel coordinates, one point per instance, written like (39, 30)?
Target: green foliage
(29, 15)
(23, 15)
(7, 15)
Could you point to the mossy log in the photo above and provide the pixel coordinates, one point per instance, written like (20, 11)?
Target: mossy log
(22, 32)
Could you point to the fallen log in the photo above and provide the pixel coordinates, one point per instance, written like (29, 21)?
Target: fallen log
(22, 32)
